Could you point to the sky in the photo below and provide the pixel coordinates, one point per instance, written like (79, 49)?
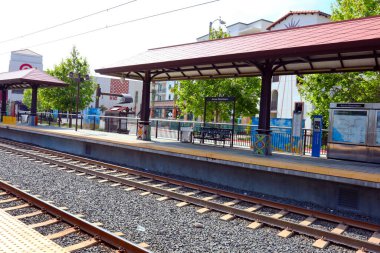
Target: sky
(106, 46)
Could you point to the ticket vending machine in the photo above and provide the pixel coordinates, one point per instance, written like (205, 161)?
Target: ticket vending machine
(317, 136)
(354, 132)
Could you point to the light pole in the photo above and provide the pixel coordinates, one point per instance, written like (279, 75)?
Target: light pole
(78, 78)
(222, 22)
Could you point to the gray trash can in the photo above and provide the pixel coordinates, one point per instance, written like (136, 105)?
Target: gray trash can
(186, 134)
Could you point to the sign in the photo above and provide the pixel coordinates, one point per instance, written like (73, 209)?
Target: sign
(25, 66)
(350, 105)
(317, 136)
(349, 126)
(220, 99)
(297, 124)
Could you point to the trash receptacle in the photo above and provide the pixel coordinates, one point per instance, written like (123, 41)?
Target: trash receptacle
(186, 134)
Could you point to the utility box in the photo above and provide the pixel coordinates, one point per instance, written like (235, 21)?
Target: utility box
(186, 134)
(116, 119)
(354, 132)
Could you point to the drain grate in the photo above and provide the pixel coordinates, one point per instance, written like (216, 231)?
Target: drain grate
(348, 198)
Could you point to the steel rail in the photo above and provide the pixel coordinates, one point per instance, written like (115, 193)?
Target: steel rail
(290, 208)
(306, 230)
(99, 233)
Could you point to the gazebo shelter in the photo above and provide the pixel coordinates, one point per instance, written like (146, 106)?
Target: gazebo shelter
(24, 79)
(346, 46)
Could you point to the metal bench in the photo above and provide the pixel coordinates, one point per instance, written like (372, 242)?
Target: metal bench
(211, 133)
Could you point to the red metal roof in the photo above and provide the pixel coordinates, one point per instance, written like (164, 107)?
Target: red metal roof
(351, 45)
(26, 78)
(297, 13)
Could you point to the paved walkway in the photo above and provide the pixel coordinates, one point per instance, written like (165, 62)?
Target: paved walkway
(17, 237)
(346, 169)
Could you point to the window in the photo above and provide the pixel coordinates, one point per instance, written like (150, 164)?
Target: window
(273, 104)
(275, 79)
(170, 97)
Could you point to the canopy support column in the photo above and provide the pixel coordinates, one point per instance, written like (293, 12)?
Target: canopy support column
(262, 144)
(3, 102)
(143, 130)
(33, 108)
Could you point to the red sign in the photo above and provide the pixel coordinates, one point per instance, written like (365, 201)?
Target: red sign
(25, 66)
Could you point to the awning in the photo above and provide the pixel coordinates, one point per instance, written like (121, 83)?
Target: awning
(27, 78)
(352, 45)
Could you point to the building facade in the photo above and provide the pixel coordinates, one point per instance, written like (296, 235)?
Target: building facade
(285, 88)
(163, 101)
(21, 59)
(118, 86)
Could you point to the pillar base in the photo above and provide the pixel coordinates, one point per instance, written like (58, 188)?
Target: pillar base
(143, 132)
(262, 144)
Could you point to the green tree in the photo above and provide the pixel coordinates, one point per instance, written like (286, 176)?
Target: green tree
(323, 89)
(350, 9)
(64, 99)
(42, 104)
(190, 94)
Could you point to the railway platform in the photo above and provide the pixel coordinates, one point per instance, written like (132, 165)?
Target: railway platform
(330, 183)
(15, 236)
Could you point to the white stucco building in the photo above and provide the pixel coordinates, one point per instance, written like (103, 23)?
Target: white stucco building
(284, 88)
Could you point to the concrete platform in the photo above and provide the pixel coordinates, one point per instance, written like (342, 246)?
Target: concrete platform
(17, 237)
(331, 183)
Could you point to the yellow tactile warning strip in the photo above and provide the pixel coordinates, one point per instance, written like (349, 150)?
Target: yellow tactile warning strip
(261, 161)
(17, 237)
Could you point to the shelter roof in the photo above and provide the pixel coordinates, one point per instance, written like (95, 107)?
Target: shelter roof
(351, 45)
(26, 78)
(290, 13)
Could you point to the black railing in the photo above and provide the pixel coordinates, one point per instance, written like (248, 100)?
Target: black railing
(243, 134)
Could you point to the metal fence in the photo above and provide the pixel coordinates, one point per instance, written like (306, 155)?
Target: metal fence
(243, 135)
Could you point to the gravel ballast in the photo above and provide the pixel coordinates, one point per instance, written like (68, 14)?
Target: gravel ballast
(162, 225)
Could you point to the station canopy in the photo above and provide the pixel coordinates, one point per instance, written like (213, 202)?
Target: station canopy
(28, 78)
(345, 46)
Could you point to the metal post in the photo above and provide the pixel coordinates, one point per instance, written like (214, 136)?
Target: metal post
(3, 103)
(204, 113)
(59, 119)
(94, 123)
(178, 130)
(156, 129)
(81, 121)
(76, 119)
(233, 124)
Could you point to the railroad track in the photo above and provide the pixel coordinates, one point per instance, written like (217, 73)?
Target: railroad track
(90, 234)
(209, 199)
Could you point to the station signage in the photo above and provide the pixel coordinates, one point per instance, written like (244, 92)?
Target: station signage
(220, 99)
(350, 105)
